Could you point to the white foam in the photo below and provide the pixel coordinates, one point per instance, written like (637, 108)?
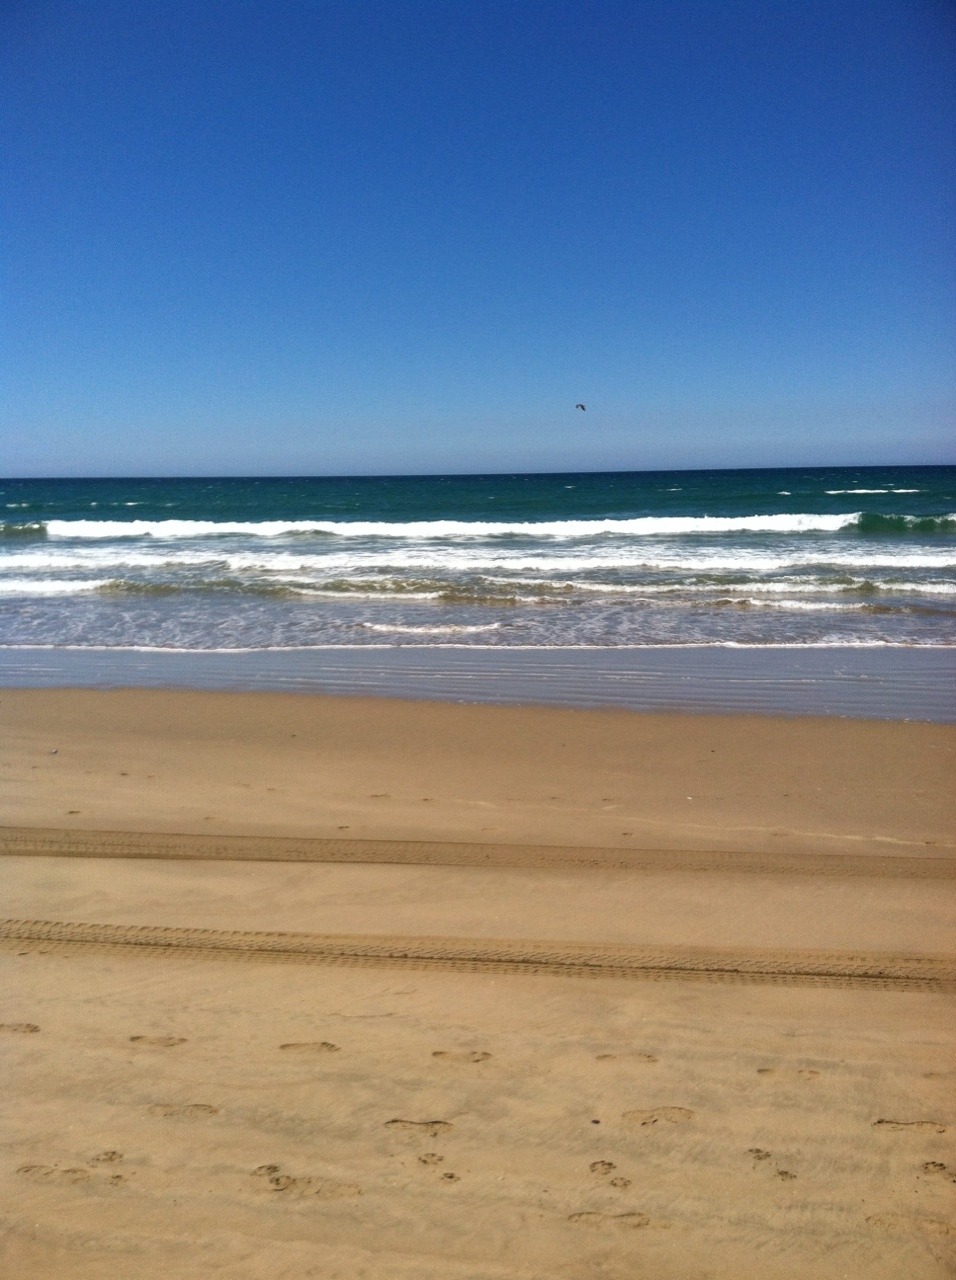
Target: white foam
(367, 591)
(489, 648)
(804, 606)
(580, 559)
(640, 526)
(49, 586)
(563, 559)
(176, 528)
(449, 629)
(826, 588)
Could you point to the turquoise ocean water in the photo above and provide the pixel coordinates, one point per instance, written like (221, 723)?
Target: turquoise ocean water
(789, 561)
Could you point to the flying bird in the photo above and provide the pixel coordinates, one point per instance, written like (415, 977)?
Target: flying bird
(580, 406)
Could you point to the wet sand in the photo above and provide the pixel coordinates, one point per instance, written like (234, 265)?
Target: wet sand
(300, 986)
(365, 769)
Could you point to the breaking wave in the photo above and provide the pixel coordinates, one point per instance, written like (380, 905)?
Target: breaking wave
(638, 526)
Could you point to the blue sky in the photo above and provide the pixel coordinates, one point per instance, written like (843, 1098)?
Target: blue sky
(380, 236)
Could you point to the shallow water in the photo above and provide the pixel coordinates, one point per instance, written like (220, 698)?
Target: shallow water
(889, 683)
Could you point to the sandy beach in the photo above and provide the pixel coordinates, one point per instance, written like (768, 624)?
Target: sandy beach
(299, 986)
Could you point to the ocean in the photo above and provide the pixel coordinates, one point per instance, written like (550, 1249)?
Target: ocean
(596, 570)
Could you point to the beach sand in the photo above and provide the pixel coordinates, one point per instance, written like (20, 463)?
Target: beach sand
(327, 987)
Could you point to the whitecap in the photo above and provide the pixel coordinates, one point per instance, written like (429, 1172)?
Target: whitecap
(49, 586)
(416, 530)
(435, 630)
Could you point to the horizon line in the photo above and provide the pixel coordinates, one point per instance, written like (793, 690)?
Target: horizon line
(476, 475)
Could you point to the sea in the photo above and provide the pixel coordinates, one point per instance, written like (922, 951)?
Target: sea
(820, 590)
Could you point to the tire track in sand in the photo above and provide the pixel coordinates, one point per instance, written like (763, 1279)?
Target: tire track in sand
(55, 843)
(816, 968)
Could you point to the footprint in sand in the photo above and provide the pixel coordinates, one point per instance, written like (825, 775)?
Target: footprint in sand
(184, 1110)
(450, 1177)
(321, 1188)
(759, 1155)
(305, 1184)
(20, 1028)
(632, 1221)
(933, 1126)
(310, 1046)
(900, 1223)
(74, 1175)
(805, 1073)
(627, 1056)
(53, 1173)
(658, 1115)
(937, 1169)
(477, 1055)
(430, 1127)
(158, 1042)
(431, 1157)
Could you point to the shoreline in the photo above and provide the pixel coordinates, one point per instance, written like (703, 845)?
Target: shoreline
(879, 682)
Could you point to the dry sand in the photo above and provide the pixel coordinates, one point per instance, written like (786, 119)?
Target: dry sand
(311, 987)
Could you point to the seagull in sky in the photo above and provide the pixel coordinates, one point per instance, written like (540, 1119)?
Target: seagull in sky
(580, 406)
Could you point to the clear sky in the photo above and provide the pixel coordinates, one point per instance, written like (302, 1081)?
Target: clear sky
(373, 236)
